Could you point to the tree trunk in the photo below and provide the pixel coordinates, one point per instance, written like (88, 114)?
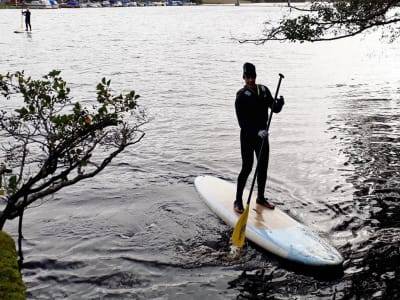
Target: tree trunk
(2, 220)
(5, 214)
(20, 237)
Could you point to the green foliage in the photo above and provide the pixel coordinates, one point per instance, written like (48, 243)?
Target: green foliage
(50, 141)
(330, 20)
(9, 6)
(12, 184)
(11, 284)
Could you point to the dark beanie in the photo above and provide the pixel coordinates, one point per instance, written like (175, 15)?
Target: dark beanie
(249, 70)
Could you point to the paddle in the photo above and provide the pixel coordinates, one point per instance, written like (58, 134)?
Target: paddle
(22, 16)
(239, 232)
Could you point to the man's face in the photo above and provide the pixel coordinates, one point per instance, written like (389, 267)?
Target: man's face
(250, 81)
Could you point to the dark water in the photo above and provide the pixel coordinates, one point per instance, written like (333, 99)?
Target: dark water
(140, 231)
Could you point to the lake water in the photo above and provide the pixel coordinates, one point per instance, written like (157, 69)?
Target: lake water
(140, 231)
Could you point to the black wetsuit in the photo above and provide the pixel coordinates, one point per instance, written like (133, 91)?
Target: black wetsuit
(252, 114)
(27, 14)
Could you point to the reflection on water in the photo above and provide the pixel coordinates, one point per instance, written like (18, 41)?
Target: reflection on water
(369, 131)
(140, 231)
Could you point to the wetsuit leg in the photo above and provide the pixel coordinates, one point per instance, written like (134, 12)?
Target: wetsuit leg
(247, 151)
(262, 167)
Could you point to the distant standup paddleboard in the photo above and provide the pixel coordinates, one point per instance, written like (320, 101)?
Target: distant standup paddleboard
(272, 230)
(22, 31)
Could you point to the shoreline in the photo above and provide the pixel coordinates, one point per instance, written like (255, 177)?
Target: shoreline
(203, 2)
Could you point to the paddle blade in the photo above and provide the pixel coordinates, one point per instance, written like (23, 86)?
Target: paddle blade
(239, 232)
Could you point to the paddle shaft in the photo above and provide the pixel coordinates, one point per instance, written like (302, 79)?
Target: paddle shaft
(263, 141)
(22, 16)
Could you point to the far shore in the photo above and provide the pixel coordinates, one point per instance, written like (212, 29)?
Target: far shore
(205, 2)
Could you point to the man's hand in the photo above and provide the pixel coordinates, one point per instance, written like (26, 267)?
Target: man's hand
(263, 134)
(281, 100)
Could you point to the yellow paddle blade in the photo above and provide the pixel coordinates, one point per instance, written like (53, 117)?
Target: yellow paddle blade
(239, 232)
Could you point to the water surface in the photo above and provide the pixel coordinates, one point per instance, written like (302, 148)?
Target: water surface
(140, 231)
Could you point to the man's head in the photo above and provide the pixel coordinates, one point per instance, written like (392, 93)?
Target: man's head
(249, 70)
(249, 74)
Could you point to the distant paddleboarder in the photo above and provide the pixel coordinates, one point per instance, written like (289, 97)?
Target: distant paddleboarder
(27, 15)
(252, 104)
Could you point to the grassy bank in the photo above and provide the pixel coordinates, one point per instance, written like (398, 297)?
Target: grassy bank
(7, 5)
(11, 284)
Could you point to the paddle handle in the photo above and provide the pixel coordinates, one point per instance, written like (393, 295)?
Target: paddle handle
(275, 98)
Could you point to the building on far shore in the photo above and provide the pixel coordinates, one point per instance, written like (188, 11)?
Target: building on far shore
(244, 1)
(223, 1)
(10, 1)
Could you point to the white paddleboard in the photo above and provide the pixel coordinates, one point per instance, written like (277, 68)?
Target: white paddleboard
(272, 230)
(23, 31)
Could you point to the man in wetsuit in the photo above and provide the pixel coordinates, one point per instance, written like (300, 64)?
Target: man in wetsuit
(27, 14)
(252, 104)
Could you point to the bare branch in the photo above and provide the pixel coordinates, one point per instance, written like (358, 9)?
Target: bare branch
(327, 21)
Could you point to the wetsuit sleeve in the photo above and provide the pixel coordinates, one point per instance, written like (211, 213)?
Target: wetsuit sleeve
(270, 100)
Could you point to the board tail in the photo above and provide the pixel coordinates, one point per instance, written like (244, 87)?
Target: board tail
(239, 232)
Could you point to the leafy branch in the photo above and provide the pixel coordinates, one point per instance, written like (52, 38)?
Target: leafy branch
(50, 142)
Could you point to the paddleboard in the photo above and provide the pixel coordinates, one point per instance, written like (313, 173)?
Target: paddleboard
(273, 230)
(22, 31)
